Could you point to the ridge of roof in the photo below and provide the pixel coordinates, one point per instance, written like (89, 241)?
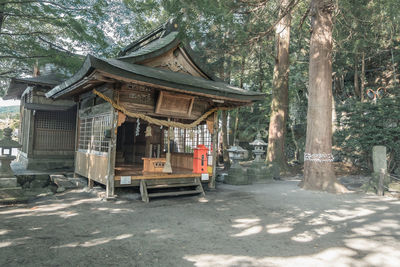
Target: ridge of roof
(161, 31)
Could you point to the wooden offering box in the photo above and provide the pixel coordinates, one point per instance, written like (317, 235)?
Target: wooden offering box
(153, 165)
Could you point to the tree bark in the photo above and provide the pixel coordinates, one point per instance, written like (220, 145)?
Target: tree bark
(318, 168)
(362, 77)
(356, 84)
(2, 16)
(279, 106)
(225, 154)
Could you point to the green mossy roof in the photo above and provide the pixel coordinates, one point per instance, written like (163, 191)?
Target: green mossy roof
(155, 76)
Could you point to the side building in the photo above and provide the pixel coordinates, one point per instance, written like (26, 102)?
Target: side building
(47, 126)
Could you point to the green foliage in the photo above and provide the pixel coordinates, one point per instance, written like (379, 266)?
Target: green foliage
(363, 125)
(60, 32)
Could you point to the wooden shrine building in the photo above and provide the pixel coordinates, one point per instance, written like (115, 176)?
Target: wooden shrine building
(47, 127)
(142, 115)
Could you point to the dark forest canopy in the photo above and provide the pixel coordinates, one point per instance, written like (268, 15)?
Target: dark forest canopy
(237, 38)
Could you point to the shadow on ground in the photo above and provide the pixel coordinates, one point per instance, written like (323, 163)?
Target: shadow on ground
(275, 224)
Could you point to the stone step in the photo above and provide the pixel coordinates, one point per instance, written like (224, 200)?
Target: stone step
(12, 195)
(66, 183)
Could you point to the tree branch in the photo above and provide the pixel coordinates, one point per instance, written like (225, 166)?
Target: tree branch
(28, 33)
(52, 45)
(27, 16)
(43, 2)
(22, 57)
(289, 9)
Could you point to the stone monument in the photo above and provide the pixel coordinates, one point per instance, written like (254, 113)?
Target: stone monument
(379, 161)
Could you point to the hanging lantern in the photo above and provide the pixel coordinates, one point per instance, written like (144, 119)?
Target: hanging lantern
(191, 134)
(167, 166)
(137, 127)
(148, 131)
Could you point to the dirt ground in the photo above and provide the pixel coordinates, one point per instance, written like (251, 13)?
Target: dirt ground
(275, 224)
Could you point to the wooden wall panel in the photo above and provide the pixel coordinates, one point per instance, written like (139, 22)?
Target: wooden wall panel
(92, 166)
(182, 161)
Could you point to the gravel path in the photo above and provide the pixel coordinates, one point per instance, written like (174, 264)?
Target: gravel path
(275, 224)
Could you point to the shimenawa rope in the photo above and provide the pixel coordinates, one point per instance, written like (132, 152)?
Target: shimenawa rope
(157, 121)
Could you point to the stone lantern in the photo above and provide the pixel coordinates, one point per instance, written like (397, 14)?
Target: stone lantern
(236, 174)
(7, 178)
(259, 148)
(258, 170)
(236, 154)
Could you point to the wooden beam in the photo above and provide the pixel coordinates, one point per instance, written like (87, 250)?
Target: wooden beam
(211, 183)
(161, 176)
(128, 80)
(110, 186)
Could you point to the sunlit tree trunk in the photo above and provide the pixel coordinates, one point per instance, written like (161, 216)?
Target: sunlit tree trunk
(225, 154)
(318, 168)
(279, 106)
(2, 7)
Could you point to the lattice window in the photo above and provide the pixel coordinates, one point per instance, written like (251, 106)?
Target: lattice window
(55, 130)
(91, 133)
(186, 139)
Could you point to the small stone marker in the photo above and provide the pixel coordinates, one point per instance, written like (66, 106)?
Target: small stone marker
(380, 175)
(379, 158)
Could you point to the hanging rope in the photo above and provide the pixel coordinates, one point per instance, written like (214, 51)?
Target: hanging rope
(157, 121)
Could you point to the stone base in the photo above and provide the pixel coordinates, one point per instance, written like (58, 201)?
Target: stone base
(237, 176)
(12, 195)
(44, 164)
(258, 172)
(372, 185)
(8, 182)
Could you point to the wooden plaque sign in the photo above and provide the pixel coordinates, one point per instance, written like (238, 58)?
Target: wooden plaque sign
(174, 104)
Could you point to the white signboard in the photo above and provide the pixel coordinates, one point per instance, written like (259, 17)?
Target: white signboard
(125, 180)
(204, 177)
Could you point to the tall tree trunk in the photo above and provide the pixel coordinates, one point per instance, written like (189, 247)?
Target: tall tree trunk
(236, 122)
(2, 16)
(356, 84)
(225, 74)
(318, 168)
(362, 77)
(279, 107)
(225, 154)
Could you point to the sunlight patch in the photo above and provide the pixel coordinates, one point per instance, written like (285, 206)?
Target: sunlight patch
(278, 229)
(324, 230)
(250, 231)
(303, 237)
(93, 242)
(4, 231)
(203, 200)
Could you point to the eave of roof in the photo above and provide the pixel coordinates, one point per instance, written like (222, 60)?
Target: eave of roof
(18, 85)
(155, 76)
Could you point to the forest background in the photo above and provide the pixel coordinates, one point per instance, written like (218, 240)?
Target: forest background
(237, 40)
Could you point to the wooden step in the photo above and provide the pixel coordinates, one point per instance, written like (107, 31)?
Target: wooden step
(170, 185)
(175, 193)
(169, 189)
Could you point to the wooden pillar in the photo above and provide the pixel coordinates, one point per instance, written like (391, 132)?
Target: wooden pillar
(110, 186)
(77, 129)
(211, 183)
(31, 134)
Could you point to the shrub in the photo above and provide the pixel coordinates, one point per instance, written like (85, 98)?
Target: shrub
(362, 125)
